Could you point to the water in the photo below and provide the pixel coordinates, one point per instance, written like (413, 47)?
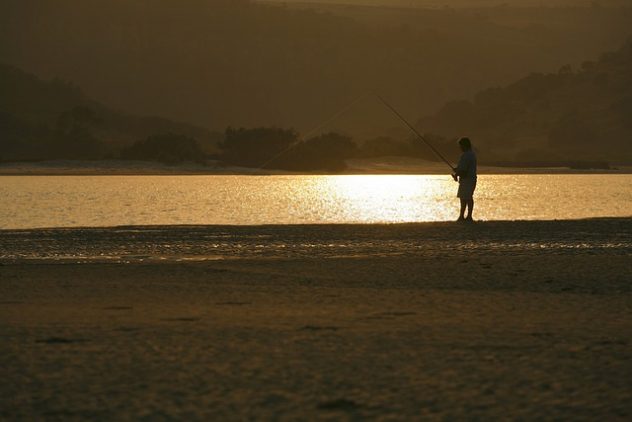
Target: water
(101, 201)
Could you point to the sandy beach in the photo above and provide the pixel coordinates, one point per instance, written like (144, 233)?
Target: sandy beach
(496, 320)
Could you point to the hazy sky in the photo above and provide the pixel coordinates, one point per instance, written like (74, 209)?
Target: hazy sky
(469, 3)
(227, 63)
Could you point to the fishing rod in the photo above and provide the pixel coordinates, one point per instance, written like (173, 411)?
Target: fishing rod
(390, 107)
(344, 110)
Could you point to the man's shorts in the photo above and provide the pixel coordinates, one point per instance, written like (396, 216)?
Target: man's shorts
(466, 188)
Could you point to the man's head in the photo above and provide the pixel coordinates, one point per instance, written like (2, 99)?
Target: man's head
(465, 144)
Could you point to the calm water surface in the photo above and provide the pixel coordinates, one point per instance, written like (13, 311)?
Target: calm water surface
(98, 201)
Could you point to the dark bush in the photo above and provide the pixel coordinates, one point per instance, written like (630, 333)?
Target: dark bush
(255, 147)
(167, 149)
(324, 152)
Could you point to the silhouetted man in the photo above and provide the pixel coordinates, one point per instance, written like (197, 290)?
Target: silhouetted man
(465, 174)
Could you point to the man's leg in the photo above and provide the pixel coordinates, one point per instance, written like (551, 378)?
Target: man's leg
(463, 206)
(470, 208)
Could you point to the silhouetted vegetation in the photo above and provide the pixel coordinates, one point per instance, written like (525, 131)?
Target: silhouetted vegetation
(227, 62)
(255, 147)
(411, 147)
(55, 120)
(324, 152)
(577, 115)
(383, 146)
(276, 148)
(20, 139)
(166, 149)
(73, 136)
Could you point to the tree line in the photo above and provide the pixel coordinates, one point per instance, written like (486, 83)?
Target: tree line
(53, 120)
(275, 148)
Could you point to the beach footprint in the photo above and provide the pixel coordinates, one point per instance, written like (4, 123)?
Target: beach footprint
(61, 340)
(230, 303)
(319, 328)
(118, 308)
(182, 319)
(398, 313)
(390, 315)
(344, 405)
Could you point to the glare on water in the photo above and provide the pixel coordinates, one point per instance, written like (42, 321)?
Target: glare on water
(73, 201)
(391, 198)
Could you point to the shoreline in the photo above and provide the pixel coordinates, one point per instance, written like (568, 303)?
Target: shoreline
(197, 243)
(246, 227)
(483, 172)
(386, 166)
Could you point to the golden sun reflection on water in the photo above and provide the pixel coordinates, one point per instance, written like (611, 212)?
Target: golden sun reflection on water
(97, 201)
(392, 198)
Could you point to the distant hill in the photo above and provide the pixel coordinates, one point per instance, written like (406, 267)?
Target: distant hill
(583, 114)
(219, 63)
(55, 119)
(449, 3)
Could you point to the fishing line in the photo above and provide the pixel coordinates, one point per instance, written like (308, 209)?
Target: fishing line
(343, 111)
(390, 107)
(316, 129)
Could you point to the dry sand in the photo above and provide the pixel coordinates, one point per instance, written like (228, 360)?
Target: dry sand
(438, 331)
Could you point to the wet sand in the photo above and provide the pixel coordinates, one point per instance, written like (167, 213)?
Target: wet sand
(527, 320)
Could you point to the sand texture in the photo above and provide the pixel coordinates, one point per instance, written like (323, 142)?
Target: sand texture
(527, 320)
